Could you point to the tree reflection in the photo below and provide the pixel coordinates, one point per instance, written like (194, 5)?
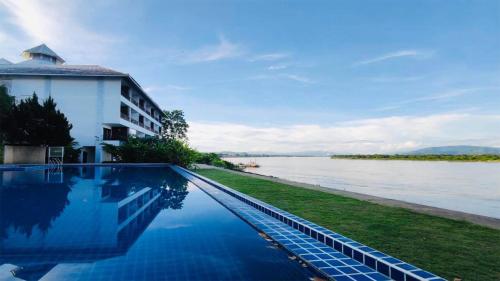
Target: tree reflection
(123, 181)
(25, 206)
(174, 191)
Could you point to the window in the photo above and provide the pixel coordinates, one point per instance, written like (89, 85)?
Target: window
(106, 134)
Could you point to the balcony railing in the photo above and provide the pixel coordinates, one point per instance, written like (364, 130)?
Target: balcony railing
(134, 121)
(118, 137)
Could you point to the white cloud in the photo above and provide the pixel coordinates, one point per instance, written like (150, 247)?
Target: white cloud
(396, 79)
(286, 76)
(277, 67)
(224, 49)
(166, 88)
(397, 54)
(440, 96)
(57, 24)
(270, 57)
(298, 78)
(381, 135)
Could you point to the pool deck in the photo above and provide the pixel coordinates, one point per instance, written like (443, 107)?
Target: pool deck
(335, 256)
(423, 209)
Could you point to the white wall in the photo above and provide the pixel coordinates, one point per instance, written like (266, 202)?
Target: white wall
(86, 102)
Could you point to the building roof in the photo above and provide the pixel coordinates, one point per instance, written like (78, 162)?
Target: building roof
(57, 70)
(42, 49)
(60, 70)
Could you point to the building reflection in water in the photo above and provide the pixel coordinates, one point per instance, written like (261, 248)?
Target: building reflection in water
(79, 214)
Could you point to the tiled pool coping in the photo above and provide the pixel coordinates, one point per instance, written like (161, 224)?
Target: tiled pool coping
(332, 254)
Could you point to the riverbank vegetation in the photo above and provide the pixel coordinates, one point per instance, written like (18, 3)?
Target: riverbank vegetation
(427, 157)
(443, 246)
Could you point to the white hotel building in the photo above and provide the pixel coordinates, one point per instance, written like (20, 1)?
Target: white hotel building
(103, 105)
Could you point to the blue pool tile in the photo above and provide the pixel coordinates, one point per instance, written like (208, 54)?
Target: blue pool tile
(360, 277)
(383, 268)
(366, 249)
(343, 278)
(346, 269)
(357, 256)
(423, 273)
(323, 256)
(335, 263)
(378, 277)
(406, 266)
(363, 268)
(350, 262)
(332, 271)
(378, 254)
(320, 264)
(369, 261)
(392, 260)
(309, 257)
(397, 275)
(337, 246)
(329, 241)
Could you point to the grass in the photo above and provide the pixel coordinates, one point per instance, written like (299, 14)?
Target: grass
(443, 246)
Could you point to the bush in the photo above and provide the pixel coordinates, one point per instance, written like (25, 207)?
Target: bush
(152, 150)
(214, 160)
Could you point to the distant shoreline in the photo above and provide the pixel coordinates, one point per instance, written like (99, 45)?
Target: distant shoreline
(426, 157)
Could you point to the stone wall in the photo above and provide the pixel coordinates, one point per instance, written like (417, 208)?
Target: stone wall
(14, 154)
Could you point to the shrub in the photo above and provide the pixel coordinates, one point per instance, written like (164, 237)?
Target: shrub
(152, 150)
(214, 160)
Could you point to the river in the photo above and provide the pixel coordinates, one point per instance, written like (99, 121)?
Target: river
(471, 187)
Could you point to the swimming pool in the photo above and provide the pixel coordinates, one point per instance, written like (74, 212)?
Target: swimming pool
(127, 223)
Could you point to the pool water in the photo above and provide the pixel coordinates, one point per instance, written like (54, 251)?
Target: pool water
(126, 223)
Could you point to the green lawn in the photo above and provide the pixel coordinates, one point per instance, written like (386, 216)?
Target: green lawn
(445, 247)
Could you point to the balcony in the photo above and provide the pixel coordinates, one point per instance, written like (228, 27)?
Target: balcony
(125, 116)
(115, 134)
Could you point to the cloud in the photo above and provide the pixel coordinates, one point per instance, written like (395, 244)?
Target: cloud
(277, 67)
(439, 96)
(57, 24)
(224, 49)
(298, 78)
(388, 79)
(270, 57)
(293, 77)
(166, 88)
(380, 135)
(394, 55)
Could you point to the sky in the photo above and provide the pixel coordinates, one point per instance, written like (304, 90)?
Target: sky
(290, 76)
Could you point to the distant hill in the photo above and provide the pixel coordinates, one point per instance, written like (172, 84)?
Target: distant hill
(456, 150)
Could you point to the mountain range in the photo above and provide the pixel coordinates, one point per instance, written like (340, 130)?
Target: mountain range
(444, 150)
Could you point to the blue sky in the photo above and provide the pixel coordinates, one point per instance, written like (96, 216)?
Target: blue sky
(339, 76)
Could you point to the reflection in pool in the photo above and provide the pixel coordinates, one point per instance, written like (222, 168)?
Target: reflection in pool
(126, 223)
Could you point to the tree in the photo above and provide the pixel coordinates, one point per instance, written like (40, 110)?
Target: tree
(174, 125)
(6, 103)
(32, 123)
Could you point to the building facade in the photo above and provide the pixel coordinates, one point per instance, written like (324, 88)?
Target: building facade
(104, 105)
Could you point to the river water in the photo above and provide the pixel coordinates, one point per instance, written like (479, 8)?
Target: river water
(472, 187)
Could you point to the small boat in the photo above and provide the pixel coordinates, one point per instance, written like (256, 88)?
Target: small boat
(251, 164)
